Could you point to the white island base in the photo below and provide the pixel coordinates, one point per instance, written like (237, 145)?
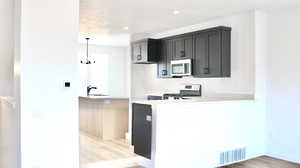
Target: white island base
(193, 134)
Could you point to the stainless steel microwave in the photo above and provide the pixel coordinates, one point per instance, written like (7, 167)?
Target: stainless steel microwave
(181, 67)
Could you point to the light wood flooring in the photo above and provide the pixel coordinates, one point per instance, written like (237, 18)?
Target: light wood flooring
(95, 153)
(264, 162)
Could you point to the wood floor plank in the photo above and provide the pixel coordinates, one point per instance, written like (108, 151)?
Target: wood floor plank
(95, 152)
(264, 162)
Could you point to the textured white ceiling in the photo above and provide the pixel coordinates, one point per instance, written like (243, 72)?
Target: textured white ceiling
(106, 17)
(106, 40)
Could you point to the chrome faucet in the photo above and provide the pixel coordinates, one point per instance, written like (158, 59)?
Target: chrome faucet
(89, 88)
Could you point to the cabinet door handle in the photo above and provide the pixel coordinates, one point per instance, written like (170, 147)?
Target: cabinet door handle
(206, 70)
(139, 57)
(182, 54)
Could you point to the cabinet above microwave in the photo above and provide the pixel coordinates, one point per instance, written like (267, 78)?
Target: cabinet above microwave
(146, 51)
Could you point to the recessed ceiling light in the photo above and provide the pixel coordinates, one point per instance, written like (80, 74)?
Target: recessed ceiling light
(125, 28)
(176, 12)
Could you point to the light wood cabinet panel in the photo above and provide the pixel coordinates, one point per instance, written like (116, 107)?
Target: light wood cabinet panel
(104, 119)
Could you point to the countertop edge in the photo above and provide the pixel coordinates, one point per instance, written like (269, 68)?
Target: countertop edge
(103, 97)
(196, 100)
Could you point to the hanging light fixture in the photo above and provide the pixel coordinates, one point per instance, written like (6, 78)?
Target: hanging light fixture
(87, 61)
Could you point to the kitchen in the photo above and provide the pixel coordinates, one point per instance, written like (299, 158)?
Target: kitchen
(207, 54)
(208, 66)
(158, 84)
(189, 69)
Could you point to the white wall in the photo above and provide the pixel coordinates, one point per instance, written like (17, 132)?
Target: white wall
(17, 81)
(199, 131)
(282, 40)
(9, 144)
(10, 123)
(47, 49)
(110, 72)
(144, 80)
(261, 72)
(6, 47)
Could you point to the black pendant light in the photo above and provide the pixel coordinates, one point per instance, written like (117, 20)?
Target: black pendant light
(87, 61)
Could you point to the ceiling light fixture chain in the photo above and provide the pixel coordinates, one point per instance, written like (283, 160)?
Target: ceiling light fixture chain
(87, 53)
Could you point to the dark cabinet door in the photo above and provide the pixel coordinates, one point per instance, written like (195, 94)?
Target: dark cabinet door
(162, 70)
(201, 52)
(145, 51)
(178, 49)
(207, 60)
(188, 47)
(169, 54)
(183, 48)
(142, 129)
(214, 58)
(163, 67)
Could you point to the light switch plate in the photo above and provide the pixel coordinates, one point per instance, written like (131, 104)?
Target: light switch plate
(67, 84)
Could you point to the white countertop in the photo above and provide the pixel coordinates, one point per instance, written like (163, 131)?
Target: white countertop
(102, 97)
(228, 97)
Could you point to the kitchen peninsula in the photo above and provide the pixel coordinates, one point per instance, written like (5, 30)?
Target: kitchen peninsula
(213, 131)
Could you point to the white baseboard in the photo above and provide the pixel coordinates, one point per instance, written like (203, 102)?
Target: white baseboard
(128, 136)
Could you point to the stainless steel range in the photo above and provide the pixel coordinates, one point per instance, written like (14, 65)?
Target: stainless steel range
(186, 92)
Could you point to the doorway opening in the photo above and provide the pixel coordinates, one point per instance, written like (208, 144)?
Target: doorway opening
(104, 108)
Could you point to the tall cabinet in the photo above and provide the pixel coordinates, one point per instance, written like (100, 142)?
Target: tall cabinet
(212, 53)
(163, 66)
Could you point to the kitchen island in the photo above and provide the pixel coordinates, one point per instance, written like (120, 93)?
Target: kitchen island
(104, 117)
(204, 132)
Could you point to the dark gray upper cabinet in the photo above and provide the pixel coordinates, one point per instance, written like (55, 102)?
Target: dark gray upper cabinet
(212, 53)
(209, 49)
(164, 64)
(146, 51)
(183, 47)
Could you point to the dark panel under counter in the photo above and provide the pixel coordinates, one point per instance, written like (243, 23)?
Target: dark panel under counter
(142, 129)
